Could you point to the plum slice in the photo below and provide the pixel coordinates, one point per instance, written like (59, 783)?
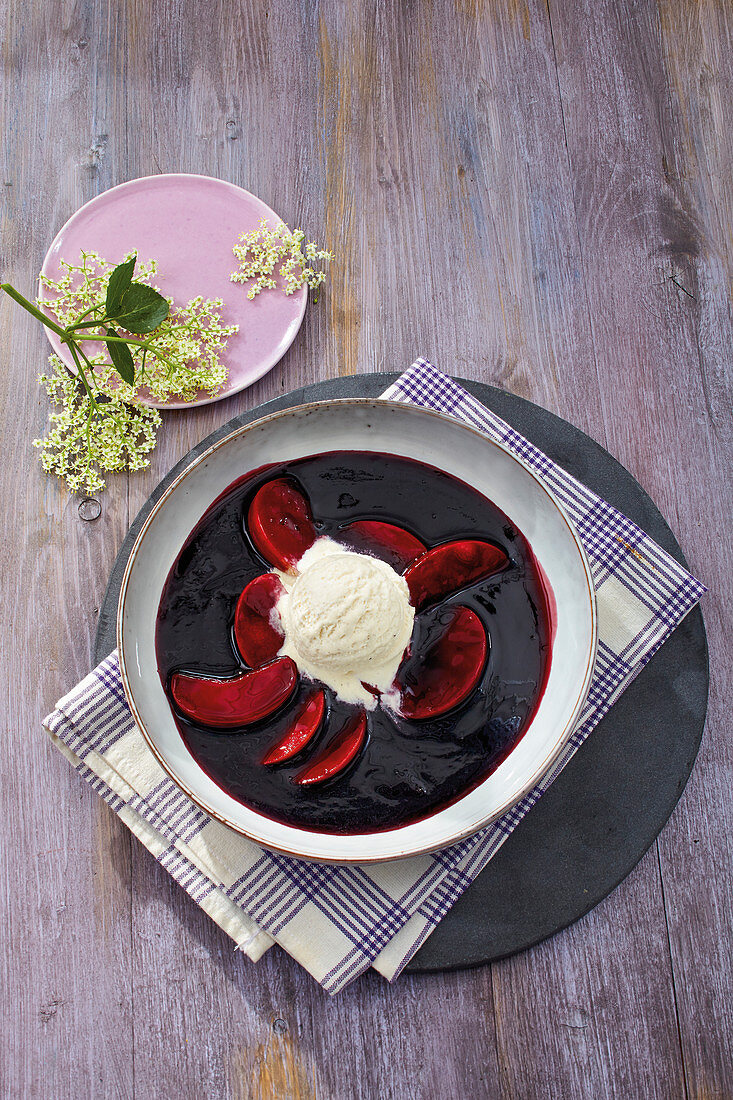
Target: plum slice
(446, 569)
(446, 670)
(258, 639)
(387, 541)
(239, 701)
(305, 726)
(280, 523)
(337, 754)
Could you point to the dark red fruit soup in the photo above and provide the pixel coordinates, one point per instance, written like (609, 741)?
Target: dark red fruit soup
(471, 678)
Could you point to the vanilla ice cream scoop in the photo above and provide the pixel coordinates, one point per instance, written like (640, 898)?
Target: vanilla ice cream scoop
(347, 620)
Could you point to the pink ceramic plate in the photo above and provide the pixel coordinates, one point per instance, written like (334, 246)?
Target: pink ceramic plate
(189, 225)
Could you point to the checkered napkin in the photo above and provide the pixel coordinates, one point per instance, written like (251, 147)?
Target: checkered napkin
(338, 921)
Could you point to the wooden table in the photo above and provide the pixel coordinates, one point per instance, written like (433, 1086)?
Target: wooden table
(536, 196)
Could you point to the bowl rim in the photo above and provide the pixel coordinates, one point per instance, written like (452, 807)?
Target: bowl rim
(172, 406)
(415, 850)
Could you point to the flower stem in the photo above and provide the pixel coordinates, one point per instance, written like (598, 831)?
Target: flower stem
(81, 323)
(37, 313)
(83, 377)
(130, 340)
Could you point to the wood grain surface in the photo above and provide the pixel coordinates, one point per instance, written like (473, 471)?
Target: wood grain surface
(537, 196)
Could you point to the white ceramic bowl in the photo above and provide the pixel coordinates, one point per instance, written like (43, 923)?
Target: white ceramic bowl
(405, 430)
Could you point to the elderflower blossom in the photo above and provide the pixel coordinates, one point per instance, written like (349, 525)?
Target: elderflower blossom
(83, 286)
(263, 250)
(83, 441)
(190, 339)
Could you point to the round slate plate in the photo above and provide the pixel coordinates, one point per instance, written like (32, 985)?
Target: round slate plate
(599, 817)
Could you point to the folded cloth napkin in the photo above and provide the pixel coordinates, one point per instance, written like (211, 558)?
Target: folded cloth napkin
(338, 921)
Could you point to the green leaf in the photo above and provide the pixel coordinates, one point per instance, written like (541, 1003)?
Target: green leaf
(121, 357)
(141, 310)
(119, 281)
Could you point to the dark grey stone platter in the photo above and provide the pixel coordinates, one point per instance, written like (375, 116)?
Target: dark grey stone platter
(614, 797)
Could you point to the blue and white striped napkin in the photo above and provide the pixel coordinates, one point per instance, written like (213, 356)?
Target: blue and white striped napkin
(338, 921)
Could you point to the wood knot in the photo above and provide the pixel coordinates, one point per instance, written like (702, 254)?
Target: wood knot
(49, 1010)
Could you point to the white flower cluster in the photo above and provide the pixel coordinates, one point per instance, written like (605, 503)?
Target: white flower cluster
(84, 441)
(265, 252)
(83, 286)
(190, 340)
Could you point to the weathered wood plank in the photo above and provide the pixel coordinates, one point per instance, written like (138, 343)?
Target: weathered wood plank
(698, 52)
(67, 970)
(651, 178)
(540, 253)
